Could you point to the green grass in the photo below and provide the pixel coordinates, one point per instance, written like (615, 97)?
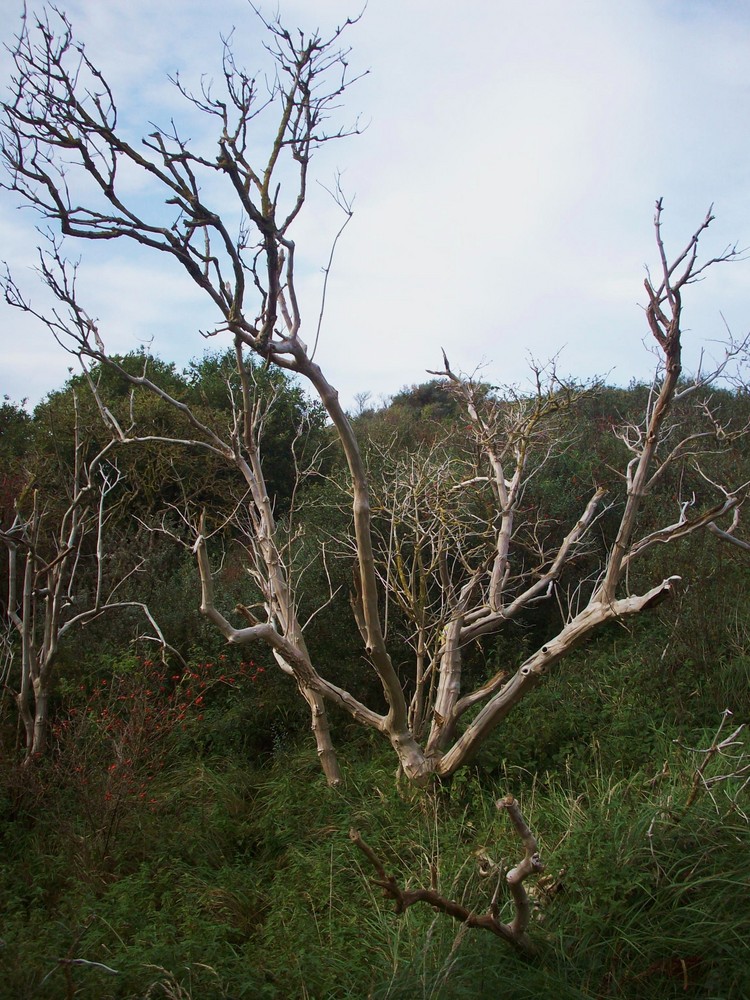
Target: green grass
(234, 876)
(241, 882)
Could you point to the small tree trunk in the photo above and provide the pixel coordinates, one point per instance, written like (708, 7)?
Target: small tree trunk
(36, 723)
(449, 690)
(322, 732)
(41, 720)
(27, 718)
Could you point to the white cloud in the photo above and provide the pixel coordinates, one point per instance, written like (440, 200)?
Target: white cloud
(504, 186)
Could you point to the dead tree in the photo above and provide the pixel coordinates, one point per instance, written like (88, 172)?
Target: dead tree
(57, 582)
(64, 154)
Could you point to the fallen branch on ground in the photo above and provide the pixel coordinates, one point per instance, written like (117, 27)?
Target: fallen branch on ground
(515, 932)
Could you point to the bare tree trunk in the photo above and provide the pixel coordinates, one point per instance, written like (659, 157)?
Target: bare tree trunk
(322, 734)
(59, 145)
(41, 720)
(26, 716)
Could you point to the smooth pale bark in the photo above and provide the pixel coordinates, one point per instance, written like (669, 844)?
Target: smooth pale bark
(52, 128)
(41, 719)
(533, 670)
(322, 733)
(368, 581)
(728, 536)
(530, 864)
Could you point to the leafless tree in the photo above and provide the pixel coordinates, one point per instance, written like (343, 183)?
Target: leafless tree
(57, 582)
(65, 152)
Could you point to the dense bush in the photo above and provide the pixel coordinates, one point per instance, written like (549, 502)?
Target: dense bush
(238, 880)
(179, 842)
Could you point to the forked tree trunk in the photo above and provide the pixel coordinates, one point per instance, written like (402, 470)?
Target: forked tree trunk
(250, 280)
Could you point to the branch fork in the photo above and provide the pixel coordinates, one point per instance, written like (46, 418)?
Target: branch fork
(514, 933)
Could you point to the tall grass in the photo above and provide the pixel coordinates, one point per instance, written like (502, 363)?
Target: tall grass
(236, 878)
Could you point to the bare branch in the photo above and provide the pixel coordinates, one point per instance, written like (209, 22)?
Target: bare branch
(514, 933)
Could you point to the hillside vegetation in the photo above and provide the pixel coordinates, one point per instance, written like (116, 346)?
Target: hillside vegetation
(177, 838)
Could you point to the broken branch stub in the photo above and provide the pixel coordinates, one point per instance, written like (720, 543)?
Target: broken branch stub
(515, 932)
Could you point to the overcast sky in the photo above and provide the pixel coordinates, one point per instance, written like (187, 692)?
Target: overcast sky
(504, 186)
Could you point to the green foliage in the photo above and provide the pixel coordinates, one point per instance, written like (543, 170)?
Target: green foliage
(15, 428)
(417, 415)
(180, 832)
(158, 473)
(242, 882)
(15, 435)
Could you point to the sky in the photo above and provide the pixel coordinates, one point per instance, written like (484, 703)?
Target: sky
(503, 187)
